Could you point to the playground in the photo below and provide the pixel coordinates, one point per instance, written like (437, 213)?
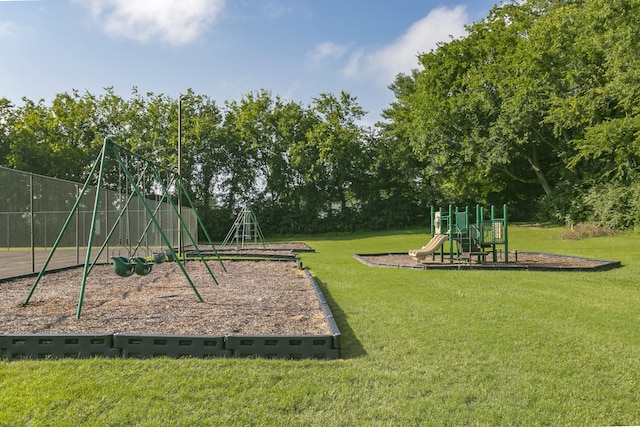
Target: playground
(156, 286)
(252, 298)
(459, 240)
(148, 287)
(526, 261)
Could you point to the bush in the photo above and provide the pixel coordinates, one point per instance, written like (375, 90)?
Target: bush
(615, 206)
(586, 230)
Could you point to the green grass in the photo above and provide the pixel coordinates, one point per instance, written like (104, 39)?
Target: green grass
(420, 348)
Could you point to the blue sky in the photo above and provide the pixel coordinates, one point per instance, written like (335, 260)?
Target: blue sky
(296, 49)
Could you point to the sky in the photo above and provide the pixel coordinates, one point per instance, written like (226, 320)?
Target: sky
(224, 49)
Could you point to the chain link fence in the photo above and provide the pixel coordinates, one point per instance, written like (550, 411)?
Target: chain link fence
(34, 209)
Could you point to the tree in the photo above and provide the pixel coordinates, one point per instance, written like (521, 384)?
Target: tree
(341, 152)
(401, 187)
(7, 117)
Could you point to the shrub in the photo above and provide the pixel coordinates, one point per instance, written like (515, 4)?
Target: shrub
(586, 230)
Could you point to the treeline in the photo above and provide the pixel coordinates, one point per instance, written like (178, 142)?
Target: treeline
(302, 169)
(537, 107)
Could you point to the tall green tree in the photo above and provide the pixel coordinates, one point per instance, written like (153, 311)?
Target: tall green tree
(401, 184)
(342, 155)
(7, 117)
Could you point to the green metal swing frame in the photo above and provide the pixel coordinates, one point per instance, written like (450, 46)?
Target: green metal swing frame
(111, 148)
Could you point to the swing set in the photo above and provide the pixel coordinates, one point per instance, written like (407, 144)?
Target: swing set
(125, 266)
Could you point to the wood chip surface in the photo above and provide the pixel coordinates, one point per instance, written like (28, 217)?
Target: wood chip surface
(252, 297)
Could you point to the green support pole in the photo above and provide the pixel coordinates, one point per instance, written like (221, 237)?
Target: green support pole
(450, 233)
(96, 207)
(155, 221)
(113, 228)
(192, 205)
(480, 219)
(64, 228)
(479, 236)
(442, 220)
(506, 236)
(493, 236)
(466, 227)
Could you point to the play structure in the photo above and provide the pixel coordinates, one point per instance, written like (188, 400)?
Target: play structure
(138, 176)
(455, 238)
(245, 229)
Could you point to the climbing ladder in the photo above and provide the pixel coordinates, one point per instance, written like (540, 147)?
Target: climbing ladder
(245, 229)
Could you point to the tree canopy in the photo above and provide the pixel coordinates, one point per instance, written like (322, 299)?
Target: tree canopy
(537, 106)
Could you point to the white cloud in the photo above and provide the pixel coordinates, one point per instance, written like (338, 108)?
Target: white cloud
(6, 29)
(326, 50)
(274, 9)
(401, 56)
(176, 22)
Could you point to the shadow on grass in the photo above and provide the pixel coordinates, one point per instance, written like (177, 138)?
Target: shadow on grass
(350, 346)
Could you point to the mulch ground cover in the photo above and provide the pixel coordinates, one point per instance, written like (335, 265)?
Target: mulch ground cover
(523, 260)
(252, 297)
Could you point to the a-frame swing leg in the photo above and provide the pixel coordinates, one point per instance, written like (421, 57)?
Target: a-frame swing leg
(183, 225)
(155, 221)
(96, 208)
(192, 205)
(74, 209)
(113, 228)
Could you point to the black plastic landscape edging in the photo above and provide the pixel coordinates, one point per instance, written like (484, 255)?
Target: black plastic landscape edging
(83, 346)
(603, 265)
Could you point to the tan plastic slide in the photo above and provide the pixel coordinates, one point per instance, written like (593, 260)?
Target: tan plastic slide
(433, 245)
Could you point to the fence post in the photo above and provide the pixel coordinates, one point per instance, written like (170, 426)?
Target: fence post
(32, 237)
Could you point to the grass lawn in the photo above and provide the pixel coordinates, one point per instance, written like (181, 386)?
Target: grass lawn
(419, 347)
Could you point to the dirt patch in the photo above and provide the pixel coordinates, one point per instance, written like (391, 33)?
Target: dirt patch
(252, 297)
(525, 260)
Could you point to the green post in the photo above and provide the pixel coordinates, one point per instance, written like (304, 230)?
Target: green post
(155, 222)
(478, 224)
(206, 234)
(506, 236)
(433, 213)
(481, 211)
(450, 233)
(96, 207)
(493, 235)
(64, 228)
(443, 219)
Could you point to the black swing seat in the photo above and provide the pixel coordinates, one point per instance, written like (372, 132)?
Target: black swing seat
(141, 265)
(122, 266)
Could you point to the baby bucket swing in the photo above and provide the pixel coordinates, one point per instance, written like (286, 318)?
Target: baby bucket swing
(125, 266)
